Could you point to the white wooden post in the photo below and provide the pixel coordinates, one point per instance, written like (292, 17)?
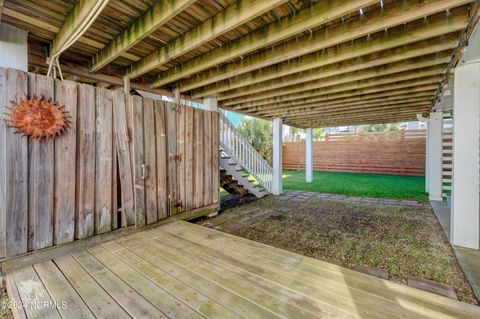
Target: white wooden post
(277, 157)
(13, 47)
(435, 124)
(210, 103)
(427, 158)
(309, 156)
(465, 214)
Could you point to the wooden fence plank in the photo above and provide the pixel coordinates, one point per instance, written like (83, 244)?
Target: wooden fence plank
(138, 145)
(103, 161)
(198, 151)
(65, 160)
(85, 162)
(41, 175)
(189, 159)
(172, 153)
(207, 157)
(399, 153)
(3, 162)
(161, 147)
(14, 218)
(124, 160)
(181, 111)
(151, 206)
(215, 159)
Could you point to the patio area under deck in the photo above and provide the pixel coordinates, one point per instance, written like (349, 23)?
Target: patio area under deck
(181, 270)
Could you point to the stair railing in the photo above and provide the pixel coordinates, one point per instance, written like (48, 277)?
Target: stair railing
(244, 154)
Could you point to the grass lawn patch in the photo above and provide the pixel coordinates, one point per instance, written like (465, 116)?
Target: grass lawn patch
(405, 240)
(356, 184)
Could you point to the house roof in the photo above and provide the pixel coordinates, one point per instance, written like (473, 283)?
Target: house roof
(311, 62)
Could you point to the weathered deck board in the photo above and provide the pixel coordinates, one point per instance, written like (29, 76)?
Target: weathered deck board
(181, 270)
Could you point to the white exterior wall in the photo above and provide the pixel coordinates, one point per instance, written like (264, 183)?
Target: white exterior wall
(13, 47)
(465, 215)
(277, 157)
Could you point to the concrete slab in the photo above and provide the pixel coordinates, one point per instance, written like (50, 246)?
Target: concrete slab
(443, 214)
(469, 259)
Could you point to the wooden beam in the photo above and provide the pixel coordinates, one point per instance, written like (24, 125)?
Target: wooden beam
(225, 21)
(83, 13)
(319, 14)
(355, 121)
(396, 13)
(236, 87)
(161, 13)
(84, 73)
(437, 25)
(406, 109)
(305, 109)
(346, 109)
(333, 75)
(343, 91)
(1, 9)
(51, 28)
(355, 85)
(366, 98)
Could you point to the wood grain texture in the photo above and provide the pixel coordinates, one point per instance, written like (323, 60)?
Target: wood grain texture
(215, 158)
(103, 161)
(65, 160)
(198, 151)
(207, 157)
(85, 162)
(161, 156)
(123, 148)
(14, 165)
(172, 160)
(181, 176)
(149, 133)
(139, 158)
(41, 174)
(398, 153)
(189, 158)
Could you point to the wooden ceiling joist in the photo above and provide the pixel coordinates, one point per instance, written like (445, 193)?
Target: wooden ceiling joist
(329, 88)
(334, 75)
(375, 21)
(335, 55)
(347, 109)
(1, 9)
(332, 99)
(306, 109)
(320, 13)
(345, 91)
(233, 16)
(161, 13)
(83, 14)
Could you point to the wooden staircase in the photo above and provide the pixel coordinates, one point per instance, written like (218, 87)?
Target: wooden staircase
(242, 169)
(236, 180)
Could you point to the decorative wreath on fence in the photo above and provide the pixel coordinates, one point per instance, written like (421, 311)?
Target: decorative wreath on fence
(37, 118)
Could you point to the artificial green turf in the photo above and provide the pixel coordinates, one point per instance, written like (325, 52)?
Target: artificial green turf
(362, 185)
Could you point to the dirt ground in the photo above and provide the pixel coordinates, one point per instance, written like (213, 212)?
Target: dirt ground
(405, 240)
(5, 311)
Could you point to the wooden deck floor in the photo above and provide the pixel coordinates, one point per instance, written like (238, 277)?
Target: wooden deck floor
(181, 270)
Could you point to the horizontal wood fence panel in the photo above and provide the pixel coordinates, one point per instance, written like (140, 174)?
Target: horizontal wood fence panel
(396, 153)
(123, 161)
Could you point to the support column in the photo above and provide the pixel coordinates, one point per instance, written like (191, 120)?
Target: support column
(13, 47)
(435, 125)
(277, 157)
(309, 156)
(210, 103)
(427, 157)
(465, 214)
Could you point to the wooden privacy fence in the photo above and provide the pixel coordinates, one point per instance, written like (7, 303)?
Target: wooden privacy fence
(398, 152)
(124, 161)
